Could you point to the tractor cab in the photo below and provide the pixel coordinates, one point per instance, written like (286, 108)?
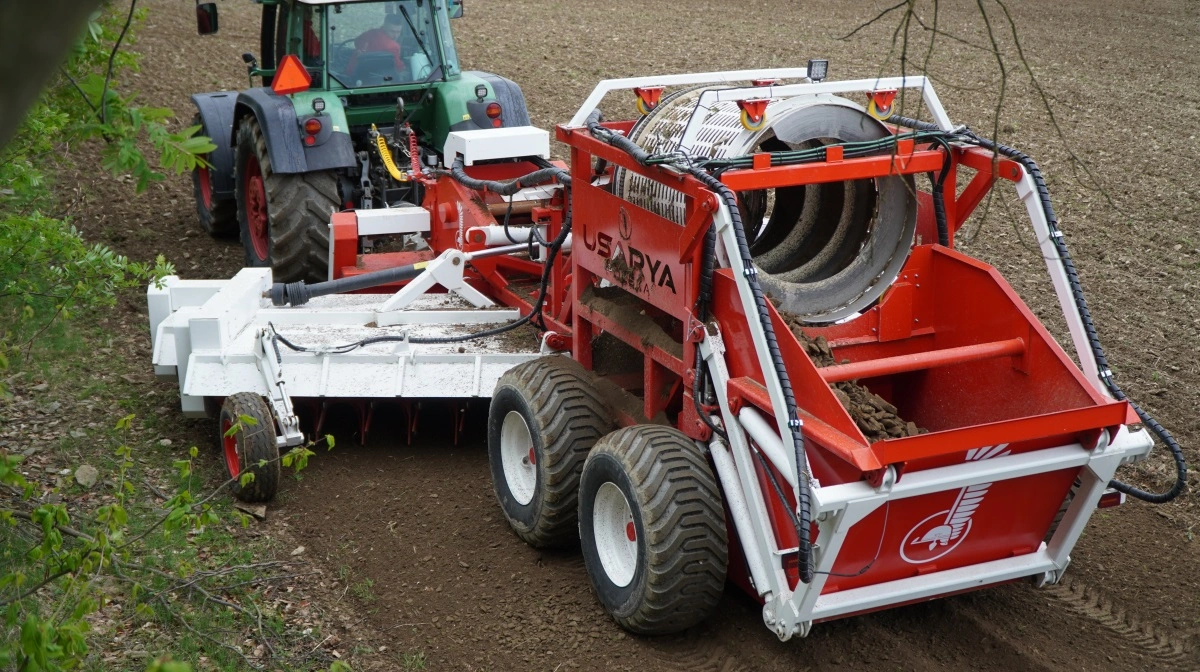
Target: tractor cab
(354, 45)
(369, 53)
(355, 97)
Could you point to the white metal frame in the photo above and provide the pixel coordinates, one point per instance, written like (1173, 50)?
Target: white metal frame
(1028, 193)
(218, 338)
(446, 270)
(784, 91)
(629, 83)
(837, 508)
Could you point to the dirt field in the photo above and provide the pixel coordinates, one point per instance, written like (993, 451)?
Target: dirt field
(421, 522)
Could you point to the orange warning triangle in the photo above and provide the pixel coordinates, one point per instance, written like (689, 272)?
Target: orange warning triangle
(291, 77)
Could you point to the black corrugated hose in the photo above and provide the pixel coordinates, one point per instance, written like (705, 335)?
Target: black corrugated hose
(1089, 327)
(939, 197)
(803, 519)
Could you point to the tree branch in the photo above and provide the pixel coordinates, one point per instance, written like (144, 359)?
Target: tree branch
(112, 57)
(882, 14)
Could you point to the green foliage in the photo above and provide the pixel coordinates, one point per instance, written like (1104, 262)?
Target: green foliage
(47, 270)
(67, 569)
(59, 566)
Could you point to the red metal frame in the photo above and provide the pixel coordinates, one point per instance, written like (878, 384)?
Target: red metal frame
(950, 344)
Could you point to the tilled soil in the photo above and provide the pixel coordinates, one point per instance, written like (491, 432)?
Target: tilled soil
(421, 523)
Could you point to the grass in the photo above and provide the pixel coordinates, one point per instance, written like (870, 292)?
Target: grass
(362, 590)
(413, 660)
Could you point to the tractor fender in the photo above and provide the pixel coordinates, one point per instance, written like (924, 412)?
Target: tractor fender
(507, 93)
(281, 128)
(216, 113)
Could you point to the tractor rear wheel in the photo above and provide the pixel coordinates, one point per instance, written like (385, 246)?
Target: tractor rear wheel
(652, 528)
(284, 219)
(544, 417)
(218, 217)
(249, 445)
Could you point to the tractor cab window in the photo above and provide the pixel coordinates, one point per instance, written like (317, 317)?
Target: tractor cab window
(300, 31)
(441, 14)
(386, 43)
(304, 35)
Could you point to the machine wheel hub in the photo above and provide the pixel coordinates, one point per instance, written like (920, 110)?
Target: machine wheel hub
(518, 457)
(616, 534)
(256, 209)
(229, 448)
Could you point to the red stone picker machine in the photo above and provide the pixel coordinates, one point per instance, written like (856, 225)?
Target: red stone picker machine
(761, 356)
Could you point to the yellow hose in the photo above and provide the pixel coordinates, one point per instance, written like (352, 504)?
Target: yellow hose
(386, 155)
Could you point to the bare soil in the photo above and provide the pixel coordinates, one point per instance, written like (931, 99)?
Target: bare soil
(421, 522)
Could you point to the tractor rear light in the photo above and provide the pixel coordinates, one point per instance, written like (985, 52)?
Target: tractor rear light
(312, 126)
(493, 112)
(291, 77)
(1110, 498)
(309, 141)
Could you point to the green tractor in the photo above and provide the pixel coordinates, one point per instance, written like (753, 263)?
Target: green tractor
(353, 94)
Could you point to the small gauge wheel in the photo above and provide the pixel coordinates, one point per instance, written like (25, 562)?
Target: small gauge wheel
(880, 113)
(750, 124)
(643, 107)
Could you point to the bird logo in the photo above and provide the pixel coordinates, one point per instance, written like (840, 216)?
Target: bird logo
(942, 532)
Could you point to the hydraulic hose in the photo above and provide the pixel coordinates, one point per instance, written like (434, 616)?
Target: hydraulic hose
(939, 210)
(1085, 316)
(386, 154)
(508, 187)
(939, 196)
(803, 519)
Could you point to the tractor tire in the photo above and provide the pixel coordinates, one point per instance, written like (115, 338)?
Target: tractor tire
(652, 528)
(219, 218)
(284, 219)
(250, 445)
(544, 417)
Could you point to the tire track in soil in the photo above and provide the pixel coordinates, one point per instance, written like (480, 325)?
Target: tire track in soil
(708, 654)
(1091, 603)
(1072, 625)
(928, 636)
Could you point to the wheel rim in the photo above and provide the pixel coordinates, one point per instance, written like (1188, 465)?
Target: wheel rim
(256, 208)
(519, 458)
(229, 442)
(615, 534)
(205, 187)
